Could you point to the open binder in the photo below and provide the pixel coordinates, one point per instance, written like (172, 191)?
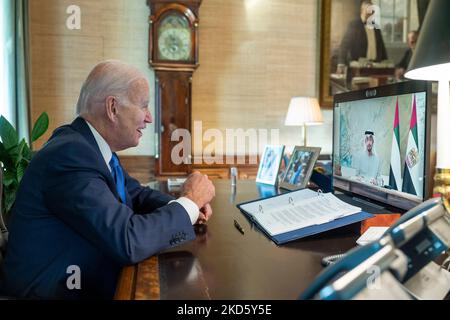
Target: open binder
(301, 213)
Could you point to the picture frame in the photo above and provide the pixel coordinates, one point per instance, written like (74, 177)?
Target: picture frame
(325, 98)
(300, 167)
(335, 16)
(269, 164)
(284, 164)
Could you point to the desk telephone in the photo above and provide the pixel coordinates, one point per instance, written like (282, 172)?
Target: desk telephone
(402, 254)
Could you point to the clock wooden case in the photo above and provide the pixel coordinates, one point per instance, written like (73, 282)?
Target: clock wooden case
(173, 54)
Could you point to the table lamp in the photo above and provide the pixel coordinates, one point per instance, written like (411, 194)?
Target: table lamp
(303, 111)
(431, 61)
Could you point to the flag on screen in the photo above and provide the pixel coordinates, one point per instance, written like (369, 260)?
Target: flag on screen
(413, 167)
(395, 172)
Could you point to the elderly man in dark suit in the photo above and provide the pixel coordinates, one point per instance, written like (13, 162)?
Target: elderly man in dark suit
(79, 214)
(361, 41)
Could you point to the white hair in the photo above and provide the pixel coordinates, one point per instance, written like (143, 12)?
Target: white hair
(107, 78)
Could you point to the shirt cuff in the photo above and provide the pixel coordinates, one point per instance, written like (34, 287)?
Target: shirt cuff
(190, 207)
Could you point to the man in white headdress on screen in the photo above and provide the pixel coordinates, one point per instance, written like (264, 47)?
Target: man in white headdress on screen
(367, 163)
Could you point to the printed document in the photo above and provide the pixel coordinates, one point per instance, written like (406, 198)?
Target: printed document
(296, 210)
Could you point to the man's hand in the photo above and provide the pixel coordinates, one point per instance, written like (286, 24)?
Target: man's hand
(205, 214)
(199, 189)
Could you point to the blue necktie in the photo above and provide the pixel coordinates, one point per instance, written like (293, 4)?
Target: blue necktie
(117, 173)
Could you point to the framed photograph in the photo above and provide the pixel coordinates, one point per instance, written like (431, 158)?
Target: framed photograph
(341, 43)
(283, 165)
(300, 167)
(270, 164)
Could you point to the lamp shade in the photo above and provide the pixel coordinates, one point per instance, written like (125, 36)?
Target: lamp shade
(303, 111)
(431, 58)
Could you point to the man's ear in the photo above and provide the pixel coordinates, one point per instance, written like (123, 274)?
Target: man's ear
(111, 105)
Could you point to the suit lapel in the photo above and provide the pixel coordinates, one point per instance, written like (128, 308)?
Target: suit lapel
(80, 125)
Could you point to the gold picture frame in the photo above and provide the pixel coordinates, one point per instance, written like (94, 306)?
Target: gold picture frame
(300, 167)
(334, 17)
(325, 99)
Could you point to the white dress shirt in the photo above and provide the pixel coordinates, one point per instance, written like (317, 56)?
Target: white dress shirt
(188, 205)
(368, 166)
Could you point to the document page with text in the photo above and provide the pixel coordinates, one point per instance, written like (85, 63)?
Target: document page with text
(298, 210)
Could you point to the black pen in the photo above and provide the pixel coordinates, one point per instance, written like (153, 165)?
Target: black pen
(238, 226)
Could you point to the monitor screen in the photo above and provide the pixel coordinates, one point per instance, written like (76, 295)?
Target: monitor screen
(381, 143)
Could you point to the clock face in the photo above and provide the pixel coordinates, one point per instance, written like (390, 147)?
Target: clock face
(175, 44)
(174, 39)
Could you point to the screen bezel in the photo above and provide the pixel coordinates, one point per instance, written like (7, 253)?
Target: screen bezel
(378, 195)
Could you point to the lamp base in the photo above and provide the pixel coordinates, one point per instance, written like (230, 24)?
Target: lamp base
(442, 186)
(304, 135)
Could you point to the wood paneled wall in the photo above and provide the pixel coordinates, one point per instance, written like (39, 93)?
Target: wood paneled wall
(142, 168)
(61, 58)
(254, 56)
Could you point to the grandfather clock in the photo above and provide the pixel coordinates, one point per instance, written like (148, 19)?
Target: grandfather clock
(173, 54)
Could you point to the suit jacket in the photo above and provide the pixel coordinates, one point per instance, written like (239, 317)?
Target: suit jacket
(404, 63)
(68, 213)
(354, 44)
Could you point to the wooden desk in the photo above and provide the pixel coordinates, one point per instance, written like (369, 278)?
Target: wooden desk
(224, 264)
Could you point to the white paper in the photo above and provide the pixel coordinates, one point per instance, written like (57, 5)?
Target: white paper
(297, 210)
(175, 182)
(372, 234)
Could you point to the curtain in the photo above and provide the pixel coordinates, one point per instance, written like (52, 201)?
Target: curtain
(7, 86)
(14, 65)
(14, 76)
(22, 70)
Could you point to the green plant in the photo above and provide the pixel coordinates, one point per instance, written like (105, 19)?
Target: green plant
(15, 156)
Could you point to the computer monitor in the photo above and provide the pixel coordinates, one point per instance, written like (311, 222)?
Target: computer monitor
(381, 143)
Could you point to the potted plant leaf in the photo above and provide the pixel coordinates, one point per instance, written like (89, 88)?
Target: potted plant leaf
(15, 156)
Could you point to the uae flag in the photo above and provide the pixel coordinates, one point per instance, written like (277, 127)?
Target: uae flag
(395, 172)
(412, 182)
